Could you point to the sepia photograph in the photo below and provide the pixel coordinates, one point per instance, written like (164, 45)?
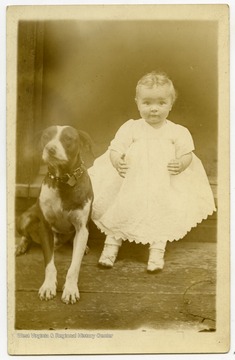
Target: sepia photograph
(118, 179)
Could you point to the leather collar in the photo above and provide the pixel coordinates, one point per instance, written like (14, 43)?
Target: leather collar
(70, 179)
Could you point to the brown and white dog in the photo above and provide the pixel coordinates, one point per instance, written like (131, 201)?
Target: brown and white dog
(62, 210)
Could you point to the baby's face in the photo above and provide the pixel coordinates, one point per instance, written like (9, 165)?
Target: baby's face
(154, 104)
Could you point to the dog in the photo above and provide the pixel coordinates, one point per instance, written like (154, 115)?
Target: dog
(62, 210)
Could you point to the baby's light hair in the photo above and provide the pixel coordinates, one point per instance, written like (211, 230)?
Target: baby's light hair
(156, 79)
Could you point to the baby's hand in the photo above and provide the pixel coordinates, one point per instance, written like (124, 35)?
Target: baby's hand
(175, 167)
(122, 166)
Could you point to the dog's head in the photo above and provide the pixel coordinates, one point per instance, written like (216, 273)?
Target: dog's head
(62, 144)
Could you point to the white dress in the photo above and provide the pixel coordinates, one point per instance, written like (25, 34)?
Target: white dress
(149, 204)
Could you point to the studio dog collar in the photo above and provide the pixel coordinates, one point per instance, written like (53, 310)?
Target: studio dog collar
(70, 179)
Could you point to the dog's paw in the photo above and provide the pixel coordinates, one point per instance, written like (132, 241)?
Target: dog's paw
(47, 291)
(70, 294)
(22, 247)
(20, 250)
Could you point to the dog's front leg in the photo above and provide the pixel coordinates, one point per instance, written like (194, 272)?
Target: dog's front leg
(71, 293)
(48, 289)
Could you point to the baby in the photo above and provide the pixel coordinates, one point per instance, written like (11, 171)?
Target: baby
(149, 186)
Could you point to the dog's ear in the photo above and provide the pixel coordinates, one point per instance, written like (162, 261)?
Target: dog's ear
(87, 144)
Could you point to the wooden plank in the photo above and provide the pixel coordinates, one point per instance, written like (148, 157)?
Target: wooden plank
(181, 261)
(27, 191)
(123, 278)
(102, 311)
(36, 184)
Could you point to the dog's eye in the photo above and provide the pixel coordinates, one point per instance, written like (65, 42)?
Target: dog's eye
(67, 138)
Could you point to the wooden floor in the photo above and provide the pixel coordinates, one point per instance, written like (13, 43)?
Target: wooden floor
(125, 297)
